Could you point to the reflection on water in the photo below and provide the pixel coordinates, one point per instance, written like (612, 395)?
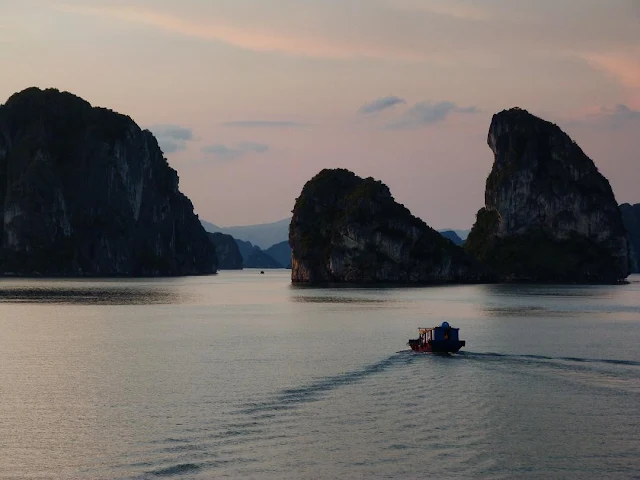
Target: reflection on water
(544, 301)
(517, 311)
(526, 311)
(518, 289)
(337, 299)
(90, 295)
(357, 296)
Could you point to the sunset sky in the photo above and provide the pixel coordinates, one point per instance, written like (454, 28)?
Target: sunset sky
(250, 98)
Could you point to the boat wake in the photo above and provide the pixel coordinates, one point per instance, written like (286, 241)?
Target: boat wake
(623, 376)
(244, 438)
(544, 357)
(240, 441)
(291, 398)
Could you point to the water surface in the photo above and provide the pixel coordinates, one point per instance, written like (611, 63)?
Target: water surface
(241, 375)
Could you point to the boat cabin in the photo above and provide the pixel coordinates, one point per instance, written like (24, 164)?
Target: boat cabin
(443, 338)
(442, 333)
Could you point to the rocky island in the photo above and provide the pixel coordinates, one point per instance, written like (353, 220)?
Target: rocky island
(549, 215)
(346, 229)
(85, 192)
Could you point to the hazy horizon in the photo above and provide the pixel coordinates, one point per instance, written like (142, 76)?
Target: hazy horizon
(249, 99)
(270, 222)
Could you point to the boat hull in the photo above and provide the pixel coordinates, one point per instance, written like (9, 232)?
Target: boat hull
(438, 347)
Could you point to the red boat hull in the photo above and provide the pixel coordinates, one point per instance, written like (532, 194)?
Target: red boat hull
(438, 347)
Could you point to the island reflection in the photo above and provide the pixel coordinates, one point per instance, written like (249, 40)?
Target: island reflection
(90, 294)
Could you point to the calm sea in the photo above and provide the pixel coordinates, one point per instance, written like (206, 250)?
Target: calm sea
(241, 375)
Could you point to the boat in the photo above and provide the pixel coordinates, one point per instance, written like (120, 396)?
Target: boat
(442, 339)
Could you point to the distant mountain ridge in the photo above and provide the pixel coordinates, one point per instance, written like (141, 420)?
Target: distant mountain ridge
(453, 236)
(281, 252)
(254, 257)
(262, 235)
(267, 235)
(463, 234)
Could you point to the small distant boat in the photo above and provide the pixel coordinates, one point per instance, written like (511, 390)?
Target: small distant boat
(442, 339)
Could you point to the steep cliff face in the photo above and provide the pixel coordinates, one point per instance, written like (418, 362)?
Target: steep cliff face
(229, 257)
(85, 191)
(631, 219)
(348, 229)
(549, 214)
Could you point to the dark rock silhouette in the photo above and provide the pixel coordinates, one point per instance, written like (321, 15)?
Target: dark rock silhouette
(453, 236)
(229, 256)
(347, 229)
(549, 215)
(281, 253)
(85, 191)
(255, 257)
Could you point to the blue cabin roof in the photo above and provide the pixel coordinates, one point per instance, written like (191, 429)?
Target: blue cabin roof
(445, 332)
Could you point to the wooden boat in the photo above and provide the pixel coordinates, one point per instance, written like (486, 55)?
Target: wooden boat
(442, 339)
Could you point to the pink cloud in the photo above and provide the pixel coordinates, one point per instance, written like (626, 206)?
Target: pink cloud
(249, 39)
(624, 67)
(452, 8)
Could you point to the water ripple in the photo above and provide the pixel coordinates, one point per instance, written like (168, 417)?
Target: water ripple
(176, 470)
(544, 357)
(289, 399)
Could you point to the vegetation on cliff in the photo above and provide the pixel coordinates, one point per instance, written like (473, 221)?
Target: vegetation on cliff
(549, 215)
(631, 219)
(349, 229)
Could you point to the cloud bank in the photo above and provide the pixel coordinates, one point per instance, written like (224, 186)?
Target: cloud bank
(171, 138)
(264, 124)
(618, 116)
(426, 113)
(227, 153)
(380, 104)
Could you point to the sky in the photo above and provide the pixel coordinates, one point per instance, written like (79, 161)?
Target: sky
(251, 98)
